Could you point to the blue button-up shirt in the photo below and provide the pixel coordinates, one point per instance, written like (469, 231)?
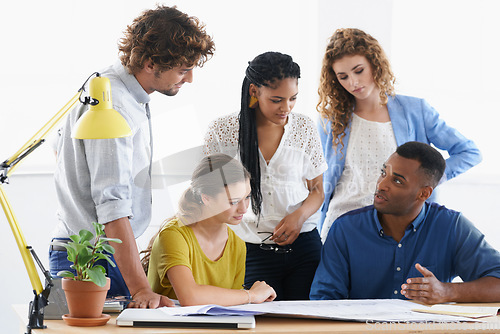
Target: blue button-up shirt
(359, 262)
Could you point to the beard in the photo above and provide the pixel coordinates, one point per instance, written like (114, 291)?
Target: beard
(169, 92)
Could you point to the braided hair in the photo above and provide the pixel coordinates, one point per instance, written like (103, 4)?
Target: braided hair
(267, 70)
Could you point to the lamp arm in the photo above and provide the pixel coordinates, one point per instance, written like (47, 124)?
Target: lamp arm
(27, 253)
(9, 165)
(21, 242)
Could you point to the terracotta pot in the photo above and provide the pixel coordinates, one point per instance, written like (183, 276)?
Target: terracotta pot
(85, 299)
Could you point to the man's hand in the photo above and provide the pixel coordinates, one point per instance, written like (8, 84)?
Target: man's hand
(146, 298)
(427, 289)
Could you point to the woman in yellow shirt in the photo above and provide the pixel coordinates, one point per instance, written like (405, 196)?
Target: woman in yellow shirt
(195, 257)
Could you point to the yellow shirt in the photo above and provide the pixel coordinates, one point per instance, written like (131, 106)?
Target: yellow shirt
(176, 245)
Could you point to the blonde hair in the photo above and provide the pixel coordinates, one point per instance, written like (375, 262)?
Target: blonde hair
(210, 177)
(335, 103)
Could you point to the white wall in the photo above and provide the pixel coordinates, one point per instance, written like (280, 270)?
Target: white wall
(447, 58)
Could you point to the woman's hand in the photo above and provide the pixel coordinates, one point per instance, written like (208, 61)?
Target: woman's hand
(261, 292)
(288, 229)
(290, 226)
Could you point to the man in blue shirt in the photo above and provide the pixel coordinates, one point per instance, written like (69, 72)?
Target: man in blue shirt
(403, 247)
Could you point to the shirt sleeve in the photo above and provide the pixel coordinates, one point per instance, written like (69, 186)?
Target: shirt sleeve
(173, 250)
(474, 258)
(331, 280)
(314, 151)
(240, 259)
(110, 166)
(463, 153)
(211, 140)
(323, 127)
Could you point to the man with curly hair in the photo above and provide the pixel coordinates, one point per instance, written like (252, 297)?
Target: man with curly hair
(109, 180)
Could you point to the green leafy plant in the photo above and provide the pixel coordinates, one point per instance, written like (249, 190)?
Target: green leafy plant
(84, 254)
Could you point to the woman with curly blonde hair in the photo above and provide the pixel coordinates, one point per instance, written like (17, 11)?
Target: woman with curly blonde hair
(362, 121)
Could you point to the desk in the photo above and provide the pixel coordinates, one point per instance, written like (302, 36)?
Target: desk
(275, 325)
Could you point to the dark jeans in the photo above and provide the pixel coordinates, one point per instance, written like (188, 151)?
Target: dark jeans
(58, 260)
(290, 274)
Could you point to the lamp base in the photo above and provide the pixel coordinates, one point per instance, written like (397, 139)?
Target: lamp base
(35, 318)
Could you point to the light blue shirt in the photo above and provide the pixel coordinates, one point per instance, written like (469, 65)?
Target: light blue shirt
(359, 262)
(106, 179)
(413, 119)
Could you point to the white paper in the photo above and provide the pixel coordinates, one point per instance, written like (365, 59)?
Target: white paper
(394, 310)
(459, 310)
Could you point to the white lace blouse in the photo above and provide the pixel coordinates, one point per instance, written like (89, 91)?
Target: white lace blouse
(298, 158)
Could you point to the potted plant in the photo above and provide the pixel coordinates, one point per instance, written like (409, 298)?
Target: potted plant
(86, 290)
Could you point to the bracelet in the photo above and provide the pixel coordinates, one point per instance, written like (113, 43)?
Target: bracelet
(249, 298)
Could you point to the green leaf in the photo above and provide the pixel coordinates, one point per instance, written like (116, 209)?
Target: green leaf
(83, 254)
(75, 238)
(98, 228)
(118, 241)
(65, 273)
(87, 243)
(84, 257)
(108, 248)
(72, 252)
(97, 276)
(85, 235)
(107, 258)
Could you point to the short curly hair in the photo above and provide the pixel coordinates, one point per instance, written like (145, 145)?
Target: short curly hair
(167, 37)
(335, 103)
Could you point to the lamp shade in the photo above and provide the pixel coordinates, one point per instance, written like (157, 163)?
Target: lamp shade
(101, 121)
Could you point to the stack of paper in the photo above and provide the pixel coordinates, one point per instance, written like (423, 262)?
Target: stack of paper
(458, 310)
(395, 310)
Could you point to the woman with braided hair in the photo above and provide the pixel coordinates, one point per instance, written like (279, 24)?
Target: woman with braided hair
(282, 152)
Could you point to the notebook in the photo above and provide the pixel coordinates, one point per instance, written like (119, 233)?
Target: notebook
(157, 318)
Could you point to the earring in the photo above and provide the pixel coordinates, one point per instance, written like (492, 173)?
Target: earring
(253, 102)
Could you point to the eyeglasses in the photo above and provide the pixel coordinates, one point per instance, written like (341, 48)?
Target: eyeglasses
(274, 248)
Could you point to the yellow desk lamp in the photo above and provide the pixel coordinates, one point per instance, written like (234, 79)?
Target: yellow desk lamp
(99, 122)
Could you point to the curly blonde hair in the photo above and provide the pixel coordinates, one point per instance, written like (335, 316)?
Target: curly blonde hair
(167, 37)
(335, 103)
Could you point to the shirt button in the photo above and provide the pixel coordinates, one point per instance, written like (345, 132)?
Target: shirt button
(399, 245)
(269, 193)
(398, 268)
(395, 292)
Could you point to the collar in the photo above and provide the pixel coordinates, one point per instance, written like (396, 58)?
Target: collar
(413, 225)
(133, 86)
